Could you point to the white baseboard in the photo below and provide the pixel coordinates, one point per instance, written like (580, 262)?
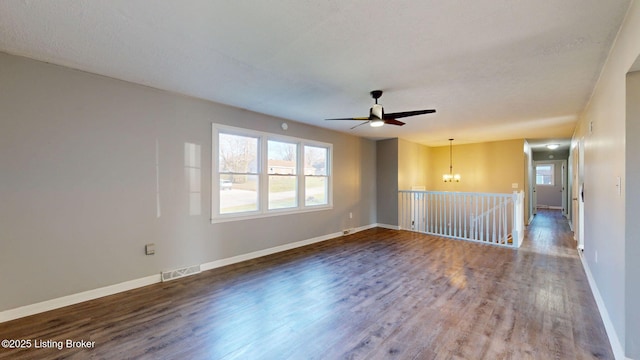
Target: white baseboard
(550, 207)
(260, 253)
(386, 226)
(57, 303)
(618, 350)
(72, 299)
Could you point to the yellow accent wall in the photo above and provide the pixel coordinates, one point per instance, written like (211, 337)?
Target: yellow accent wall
(490, 167)
(485, 167)
(414, 161)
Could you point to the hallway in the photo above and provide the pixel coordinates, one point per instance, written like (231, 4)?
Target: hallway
(549, 233)
(556, 271)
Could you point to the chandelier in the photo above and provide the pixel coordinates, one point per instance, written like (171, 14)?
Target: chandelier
(451, 177)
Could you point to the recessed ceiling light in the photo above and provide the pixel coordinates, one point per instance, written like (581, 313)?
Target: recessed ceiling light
(552, 146)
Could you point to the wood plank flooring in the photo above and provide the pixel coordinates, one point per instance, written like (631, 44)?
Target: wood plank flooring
(376, 294)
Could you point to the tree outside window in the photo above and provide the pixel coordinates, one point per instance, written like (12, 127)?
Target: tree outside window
(238, 171)
(258, 174)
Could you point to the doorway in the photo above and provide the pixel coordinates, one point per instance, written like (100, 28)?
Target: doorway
(577, 195)
(550, 185)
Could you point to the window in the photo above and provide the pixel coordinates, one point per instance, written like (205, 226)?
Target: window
(238, 176)
(283, 181)
(544, 174)
(316, 179)
(258, 174)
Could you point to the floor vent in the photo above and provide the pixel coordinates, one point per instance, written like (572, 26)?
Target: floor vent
(178, 273)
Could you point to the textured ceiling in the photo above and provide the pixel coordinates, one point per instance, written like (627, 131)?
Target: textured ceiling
(493, 69)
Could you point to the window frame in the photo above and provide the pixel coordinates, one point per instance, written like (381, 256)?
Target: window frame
(306, 176)
(553, 173)
(296, 174)
(263, 175)
(216, 174)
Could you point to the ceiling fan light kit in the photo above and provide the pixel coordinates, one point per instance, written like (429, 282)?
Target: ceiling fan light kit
(377, 117)
(376, 112)
(376, 123)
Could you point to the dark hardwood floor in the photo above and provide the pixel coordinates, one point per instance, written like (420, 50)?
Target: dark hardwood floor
(376, 294)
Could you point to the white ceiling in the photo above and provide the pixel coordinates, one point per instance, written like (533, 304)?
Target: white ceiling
(493, 69)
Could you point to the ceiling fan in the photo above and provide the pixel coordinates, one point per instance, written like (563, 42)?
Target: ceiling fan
(377, 117)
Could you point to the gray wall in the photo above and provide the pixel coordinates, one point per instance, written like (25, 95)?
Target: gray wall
(604, 130)
(632, 214)
(387, 181)
(78, 183)
(544, 155)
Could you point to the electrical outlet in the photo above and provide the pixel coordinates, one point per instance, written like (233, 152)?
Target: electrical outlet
(596, 256)
(150, 249)
(350, 215)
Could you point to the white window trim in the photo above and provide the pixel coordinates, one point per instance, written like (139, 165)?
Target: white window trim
(553, 174)
(263, 175)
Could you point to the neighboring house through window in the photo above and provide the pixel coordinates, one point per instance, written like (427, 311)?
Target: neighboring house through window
(259, 174)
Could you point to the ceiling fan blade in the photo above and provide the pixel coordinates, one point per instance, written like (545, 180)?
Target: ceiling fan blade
(393, 122)
(402, 114)
(363, 118)
(353, 127)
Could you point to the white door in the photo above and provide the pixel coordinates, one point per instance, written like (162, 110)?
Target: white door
(575, 192)
(534, 193)
(577, 197)
(564, 188)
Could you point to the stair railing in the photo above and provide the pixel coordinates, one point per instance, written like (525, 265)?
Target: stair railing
(495, 219)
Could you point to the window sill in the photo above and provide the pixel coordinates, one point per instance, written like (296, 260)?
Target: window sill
(236, 217)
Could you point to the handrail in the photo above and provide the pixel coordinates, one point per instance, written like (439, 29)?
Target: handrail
(495, 219)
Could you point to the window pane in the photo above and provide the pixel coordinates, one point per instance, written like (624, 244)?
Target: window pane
(238, 154)
(238, 193)
(297, 173)
(315, 160)
(316, 190)
(544, 174)
(282, 158)
(283, 192)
